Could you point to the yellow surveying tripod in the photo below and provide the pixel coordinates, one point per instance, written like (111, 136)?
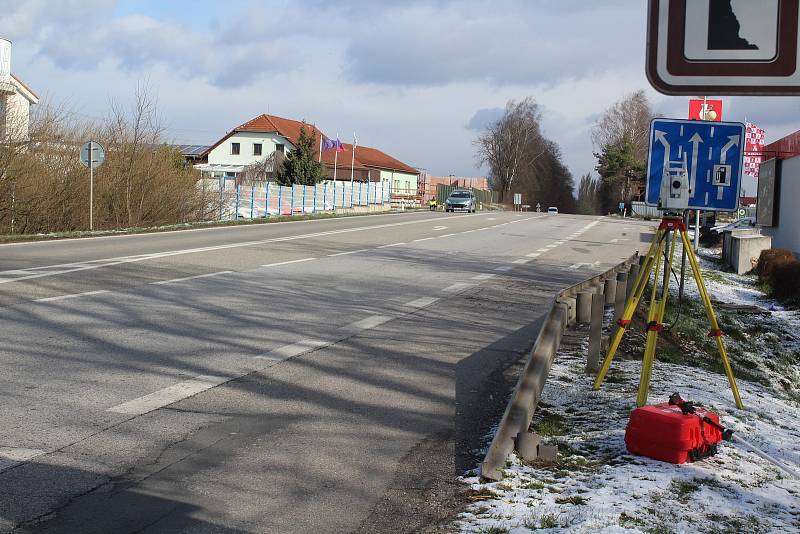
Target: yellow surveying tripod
(666, 236)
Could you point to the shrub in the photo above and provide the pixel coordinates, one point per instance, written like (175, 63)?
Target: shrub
(785, 279)
(770, 259)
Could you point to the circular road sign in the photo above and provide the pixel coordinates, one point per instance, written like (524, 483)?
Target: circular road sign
(93, 154)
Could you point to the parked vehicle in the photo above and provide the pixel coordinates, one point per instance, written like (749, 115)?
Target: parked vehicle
(552, 210)
(460, 200)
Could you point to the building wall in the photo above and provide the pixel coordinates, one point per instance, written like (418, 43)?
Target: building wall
(221, 155)
(401, 183)
(15, 111)
(787, 232)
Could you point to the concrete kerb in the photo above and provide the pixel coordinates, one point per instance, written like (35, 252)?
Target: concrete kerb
(525, 398)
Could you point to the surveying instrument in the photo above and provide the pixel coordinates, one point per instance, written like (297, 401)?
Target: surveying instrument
(674, 193)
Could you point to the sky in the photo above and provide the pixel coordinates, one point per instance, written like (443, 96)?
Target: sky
(418, 79)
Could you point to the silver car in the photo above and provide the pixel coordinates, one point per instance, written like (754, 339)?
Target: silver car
(460, 200)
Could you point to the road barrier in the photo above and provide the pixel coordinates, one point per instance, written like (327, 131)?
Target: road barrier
(525, 398)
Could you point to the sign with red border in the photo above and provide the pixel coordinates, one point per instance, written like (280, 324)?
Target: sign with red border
(724, 47)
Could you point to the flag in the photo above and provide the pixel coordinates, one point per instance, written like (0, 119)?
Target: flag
(339, 146)
(753, 149)
(328, 144)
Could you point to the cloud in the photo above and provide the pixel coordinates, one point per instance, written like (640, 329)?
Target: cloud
(484, 118)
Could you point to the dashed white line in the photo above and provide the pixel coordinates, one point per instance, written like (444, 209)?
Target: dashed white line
(503, 268)
(368, 323)
(348, 253)
(459, 286)
(392, 245)
(424, 239)
(542, 250)
(551, 246)
(288, 262)
(295, 349)
(521, 261)
(169, 395)
(484, 276)
(421, 303)
(534, 254)
(195, 277)
(447, 235)
(73, 296)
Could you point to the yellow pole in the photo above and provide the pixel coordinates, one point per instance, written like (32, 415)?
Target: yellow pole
(712, 318)
(630, 308)
(656, 318)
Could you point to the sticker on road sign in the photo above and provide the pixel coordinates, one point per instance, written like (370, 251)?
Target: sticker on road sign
(708, 154)
(723, 47)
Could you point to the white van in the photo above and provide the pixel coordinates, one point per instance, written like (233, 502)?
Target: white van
(552, 210)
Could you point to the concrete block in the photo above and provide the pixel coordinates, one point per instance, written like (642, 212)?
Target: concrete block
(548, 453)
(610, 291)
(527, 445)
(621, 295)
(583, 309)
(745, 250)
(572, 306)
(632, 274)
(595, 334)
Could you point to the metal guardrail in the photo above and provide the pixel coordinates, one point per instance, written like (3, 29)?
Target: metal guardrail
(525, 398)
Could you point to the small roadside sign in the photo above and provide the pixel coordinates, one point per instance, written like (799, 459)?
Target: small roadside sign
(517, 199)
(722, 47)
(707, 155)
(92, 154)
(621, 206)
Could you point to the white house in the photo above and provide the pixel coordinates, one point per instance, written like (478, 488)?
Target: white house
(16, 100)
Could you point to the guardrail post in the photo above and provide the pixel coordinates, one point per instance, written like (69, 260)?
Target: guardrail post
(583, 312)
(632, 274)
(621, 295)
(595, 332)
(610, 290)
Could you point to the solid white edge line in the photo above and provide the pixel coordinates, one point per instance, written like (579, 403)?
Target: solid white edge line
(73, 296)
(287, 262)
(207, 275)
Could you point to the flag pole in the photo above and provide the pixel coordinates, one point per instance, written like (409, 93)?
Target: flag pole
(335, 161)
(320, 148)
(352, 169)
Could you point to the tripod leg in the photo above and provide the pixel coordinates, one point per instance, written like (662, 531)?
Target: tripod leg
(655, 323)
(712, 318)
(630, 308)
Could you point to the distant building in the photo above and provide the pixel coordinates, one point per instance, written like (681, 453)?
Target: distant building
(16, 100)
(261, 137)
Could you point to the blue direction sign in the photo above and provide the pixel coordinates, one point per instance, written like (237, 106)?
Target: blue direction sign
(709, 154)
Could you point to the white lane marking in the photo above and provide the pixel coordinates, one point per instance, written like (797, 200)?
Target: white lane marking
(421, 303)
(11, 456)
(618, 239)
(208, 275)
(74, 296)
(468, 231)
(551, 246)
(503, 268)
(392, 245)
(27, 274)
(459, 286)
(348, 253)
(368, 323)
(169, 395)
(288, 262)
(492, 219)
(447, 235)
(534, 254)
(295, 349)
(485, 276)
(521, 261)
(439, 228)
(579, 265)
(559, 242)
(542, 250)
(424, 239)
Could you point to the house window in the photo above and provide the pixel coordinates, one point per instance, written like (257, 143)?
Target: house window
(279, 148)
(235, 149)
(256, 149)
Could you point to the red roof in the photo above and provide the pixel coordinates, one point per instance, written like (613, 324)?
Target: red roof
(785, 148)
(290, 129)
(748, 201)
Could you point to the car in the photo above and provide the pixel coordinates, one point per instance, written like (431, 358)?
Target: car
(460, 200)
(743, 223)
(552, 210)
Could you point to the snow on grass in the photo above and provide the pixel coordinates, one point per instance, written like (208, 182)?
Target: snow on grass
(597, 486)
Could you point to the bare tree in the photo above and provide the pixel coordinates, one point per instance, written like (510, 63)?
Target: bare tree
(511, 145)
(626, 121)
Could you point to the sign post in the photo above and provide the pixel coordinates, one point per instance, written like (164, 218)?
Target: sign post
(517, 201)
(721, 47)
(92, 155)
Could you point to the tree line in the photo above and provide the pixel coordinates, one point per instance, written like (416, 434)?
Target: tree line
(522, 160)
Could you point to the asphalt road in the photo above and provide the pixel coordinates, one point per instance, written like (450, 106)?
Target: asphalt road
(318, 376)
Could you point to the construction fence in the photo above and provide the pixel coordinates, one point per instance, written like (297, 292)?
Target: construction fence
(235, 201)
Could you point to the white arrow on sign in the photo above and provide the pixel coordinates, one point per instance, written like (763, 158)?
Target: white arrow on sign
(662, 136)
(733, 141)
(696, 139)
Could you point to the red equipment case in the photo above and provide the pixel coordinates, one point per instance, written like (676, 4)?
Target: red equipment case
(665, 433)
